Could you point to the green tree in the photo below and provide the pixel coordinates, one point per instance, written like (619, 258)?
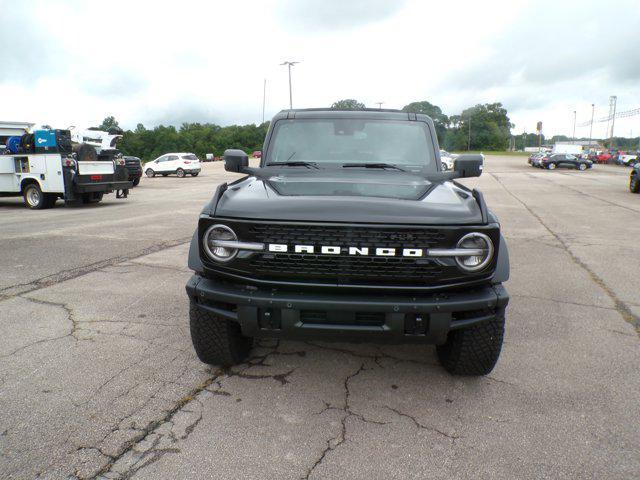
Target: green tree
(107, 124)
(527, 140)
(348, 104)
(482, 127)
(440, 120)
(192, 137)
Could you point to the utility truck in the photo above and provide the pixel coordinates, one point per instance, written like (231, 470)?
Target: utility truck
(42, 168)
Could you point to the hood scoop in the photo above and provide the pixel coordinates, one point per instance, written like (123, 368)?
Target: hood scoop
(351, 184)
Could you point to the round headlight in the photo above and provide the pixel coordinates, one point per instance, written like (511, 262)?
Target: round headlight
(476, 241)
(213, 241)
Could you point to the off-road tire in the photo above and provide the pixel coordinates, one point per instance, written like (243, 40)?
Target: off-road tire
(582, 167)
(217, 341)
(180, 173)
(136, 181)
(150, 173)
(474, 350)
(551, 166)
(86, 153)
(634, 185)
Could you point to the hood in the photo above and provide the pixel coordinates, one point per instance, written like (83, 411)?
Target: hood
(362, 196)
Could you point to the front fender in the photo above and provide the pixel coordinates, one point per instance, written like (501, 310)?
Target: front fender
(501, 274)
(194, 261)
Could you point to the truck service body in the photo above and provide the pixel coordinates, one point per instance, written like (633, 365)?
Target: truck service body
(326, 241)
(42, 178)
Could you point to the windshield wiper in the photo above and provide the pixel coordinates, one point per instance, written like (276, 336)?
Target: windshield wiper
(372, 165)
(297, 163)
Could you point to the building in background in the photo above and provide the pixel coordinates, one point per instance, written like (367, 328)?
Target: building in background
(9, 129)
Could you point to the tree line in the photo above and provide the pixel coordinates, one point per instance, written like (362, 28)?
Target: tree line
(198, 138)
(482, 127)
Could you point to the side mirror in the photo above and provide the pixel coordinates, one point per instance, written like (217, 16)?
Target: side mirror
(468, 165)
(235, 160)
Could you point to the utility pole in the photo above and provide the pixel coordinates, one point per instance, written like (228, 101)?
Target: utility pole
(539, 130)
(593, 108)
(289, 65)
(613, 119)
(606, 133)
(264, 97)
(379, 105)
(469, 140)
(573, 138)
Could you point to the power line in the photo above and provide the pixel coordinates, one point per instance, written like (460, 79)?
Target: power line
(627, 113)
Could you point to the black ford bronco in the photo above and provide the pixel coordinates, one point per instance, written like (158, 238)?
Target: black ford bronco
(350, 231)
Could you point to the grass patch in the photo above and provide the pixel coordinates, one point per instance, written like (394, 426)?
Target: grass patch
(500, 152)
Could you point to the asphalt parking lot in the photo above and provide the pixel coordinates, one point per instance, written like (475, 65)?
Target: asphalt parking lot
(98, 377)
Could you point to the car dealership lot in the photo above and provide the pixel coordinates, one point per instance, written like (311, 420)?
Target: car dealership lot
(98, 376)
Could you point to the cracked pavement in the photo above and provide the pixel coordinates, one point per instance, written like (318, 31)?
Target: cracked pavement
(98, 378)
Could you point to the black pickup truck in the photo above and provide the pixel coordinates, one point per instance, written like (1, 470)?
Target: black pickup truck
(350, 231)
(134, 168)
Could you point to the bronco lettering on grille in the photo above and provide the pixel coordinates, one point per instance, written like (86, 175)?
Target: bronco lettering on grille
(338, 250)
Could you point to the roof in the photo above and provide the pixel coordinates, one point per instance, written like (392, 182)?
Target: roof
(7, 124)
(373, 113)
(8, 129)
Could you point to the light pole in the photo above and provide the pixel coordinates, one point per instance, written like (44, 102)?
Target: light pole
(469, 139)
(573, 138)
(613, 119)
(593, 107)
(264, 97)
(289, 65)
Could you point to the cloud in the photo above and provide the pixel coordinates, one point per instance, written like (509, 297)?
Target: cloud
(27, 48)
(110, 83)
(554, 42)
(317, 16)
(72, 62)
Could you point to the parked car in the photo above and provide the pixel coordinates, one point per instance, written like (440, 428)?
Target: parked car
(627, 159)
(134, 168)
(565, 160)
(257, 154)
(604, 157)
(534, 160)
(179, 163)
(447, 159)
(634, 179)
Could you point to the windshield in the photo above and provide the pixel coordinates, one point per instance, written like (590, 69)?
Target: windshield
(336, 142)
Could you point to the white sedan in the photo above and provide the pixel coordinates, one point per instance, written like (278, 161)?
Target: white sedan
(447, 160)
(179, 163)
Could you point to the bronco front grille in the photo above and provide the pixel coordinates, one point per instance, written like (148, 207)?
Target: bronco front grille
(344, 268)
(347, 235)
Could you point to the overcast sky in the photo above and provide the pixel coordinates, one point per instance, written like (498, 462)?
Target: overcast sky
(75, 62)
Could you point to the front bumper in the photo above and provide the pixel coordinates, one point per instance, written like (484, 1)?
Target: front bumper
(374, 317)
(102, 186)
